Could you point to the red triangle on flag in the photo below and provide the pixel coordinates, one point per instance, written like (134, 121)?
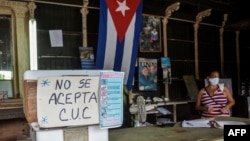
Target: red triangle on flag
(121, 21)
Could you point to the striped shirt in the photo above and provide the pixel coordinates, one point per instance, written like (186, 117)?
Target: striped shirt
(218, 101)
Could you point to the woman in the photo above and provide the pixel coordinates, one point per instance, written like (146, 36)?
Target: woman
(215, 99)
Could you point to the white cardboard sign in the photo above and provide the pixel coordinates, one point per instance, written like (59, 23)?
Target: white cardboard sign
(67, 101)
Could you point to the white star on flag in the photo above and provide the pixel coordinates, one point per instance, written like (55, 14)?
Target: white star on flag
(122, 7)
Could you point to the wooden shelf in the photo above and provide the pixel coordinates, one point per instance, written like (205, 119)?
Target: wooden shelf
(174, 103)
(171, 103)
(11, 109)
(11, 103)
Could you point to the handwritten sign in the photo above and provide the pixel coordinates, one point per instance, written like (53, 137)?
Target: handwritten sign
(67, 101)
(111, 99)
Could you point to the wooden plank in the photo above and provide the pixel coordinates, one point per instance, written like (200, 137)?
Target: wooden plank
(30, 103)
(11, 113)
(11, 103)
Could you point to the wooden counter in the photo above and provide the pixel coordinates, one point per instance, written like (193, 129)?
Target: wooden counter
(176, 133)
(12, 120)
(165, 134)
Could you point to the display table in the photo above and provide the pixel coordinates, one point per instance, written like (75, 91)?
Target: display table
(176, 133)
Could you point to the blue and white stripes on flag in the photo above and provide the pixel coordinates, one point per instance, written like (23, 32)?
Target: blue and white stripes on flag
(118, 40)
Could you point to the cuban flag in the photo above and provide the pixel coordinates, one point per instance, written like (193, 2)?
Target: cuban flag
(118, 40)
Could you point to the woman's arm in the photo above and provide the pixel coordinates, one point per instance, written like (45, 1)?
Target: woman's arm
(230, 99)
(198, 105)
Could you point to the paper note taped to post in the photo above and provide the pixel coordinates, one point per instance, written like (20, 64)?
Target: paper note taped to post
(67, 101)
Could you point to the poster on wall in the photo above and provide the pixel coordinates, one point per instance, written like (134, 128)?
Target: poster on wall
(147, 68)
(166, 70)
(56, 38)
(111, 99)
(87, 58)
(150, 40)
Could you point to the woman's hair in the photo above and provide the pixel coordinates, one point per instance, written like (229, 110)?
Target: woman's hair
(212, 71)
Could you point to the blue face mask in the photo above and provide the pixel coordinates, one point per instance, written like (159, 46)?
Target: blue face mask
(214, 81)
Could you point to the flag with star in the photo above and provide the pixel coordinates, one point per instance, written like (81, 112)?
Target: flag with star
(118, 40)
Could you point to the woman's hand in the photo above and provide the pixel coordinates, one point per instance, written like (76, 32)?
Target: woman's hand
(224, 110)
(210, 109)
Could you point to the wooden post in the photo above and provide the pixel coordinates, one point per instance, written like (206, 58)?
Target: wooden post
(199, 17)
(84, 12)
(238, 59)
(222, 45)
(168, 12)
(32, 7)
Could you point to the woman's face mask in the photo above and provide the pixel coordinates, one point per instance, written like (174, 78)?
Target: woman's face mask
(214, 81)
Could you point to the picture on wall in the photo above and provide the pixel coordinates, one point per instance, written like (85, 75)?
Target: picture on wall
(147, 74)
(166, 69)
(150, 35)
(87, 57)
